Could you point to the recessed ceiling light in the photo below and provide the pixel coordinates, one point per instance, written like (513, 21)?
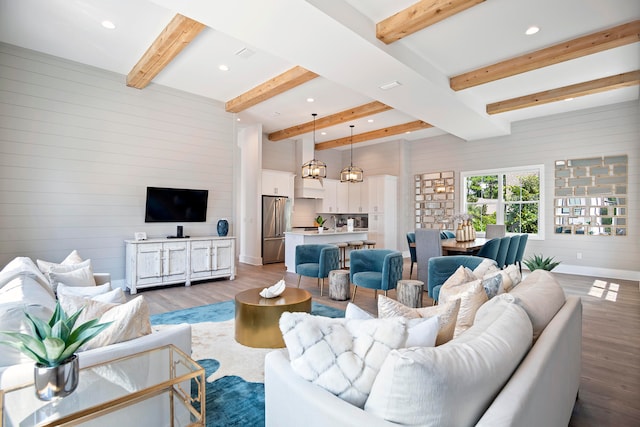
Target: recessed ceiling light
(408, 132)
(238, 119)
(568, 99)
(390, 85)
(108, 24)
(310, 99)
(370, 120)
(223, 67)
(532, 30)
(323, 133)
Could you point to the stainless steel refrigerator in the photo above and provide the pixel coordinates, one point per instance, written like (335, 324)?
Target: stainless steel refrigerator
(274, 224)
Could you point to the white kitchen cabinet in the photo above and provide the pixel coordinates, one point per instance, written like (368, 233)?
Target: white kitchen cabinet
(277, 183)
(358, 197)
(329, 202)
(158, 262)
(382, 190)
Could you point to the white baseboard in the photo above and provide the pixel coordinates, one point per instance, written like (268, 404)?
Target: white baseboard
(610, 273)
(250, 260)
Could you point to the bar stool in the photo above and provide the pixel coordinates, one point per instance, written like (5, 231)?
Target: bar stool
(355, 244)
(342, 247)
(369, 243)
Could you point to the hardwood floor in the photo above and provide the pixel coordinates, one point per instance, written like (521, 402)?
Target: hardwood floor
(610, 387)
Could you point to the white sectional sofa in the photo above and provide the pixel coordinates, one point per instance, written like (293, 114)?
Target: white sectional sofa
(24, 287)
(540, 391)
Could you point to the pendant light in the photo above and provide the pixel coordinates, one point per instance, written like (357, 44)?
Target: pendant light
(351, 173)
(314, 169)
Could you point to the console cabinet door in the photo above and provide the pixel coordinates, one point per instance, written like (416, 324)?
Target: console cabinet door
(200, 258)
(175, 262)
(223, 257)
(149, 259)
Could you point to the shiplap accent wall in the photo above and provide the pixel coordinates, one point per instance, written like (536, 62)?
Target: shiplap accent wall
(78, 149)
(604, 131)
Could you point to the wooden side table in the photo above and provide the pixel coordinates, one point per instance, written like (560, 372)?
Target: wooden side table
(409, 292)
(257, 318)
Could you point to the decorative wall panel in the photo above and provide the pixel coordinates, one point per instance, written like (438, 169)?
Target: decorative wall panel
(590, 196)
(434, 199)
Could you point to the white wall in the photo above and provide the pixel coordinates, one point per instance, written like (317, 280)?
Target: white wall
(78, 149)
(608, 130)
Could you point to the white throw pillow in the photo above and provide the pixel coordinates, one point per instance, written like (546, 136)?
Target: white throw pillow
(510, 277)
(342, 356)
(452, 385)
(114, 296)
(472, 295)
(72, 258)
(446, 313)
(485, 267)
(77, 275)
(420, 333)
(83, 291)
(541, 296)
(451, 286)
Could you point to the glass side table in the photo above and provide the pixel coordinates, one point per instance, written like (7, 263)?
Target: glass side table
(159, 387)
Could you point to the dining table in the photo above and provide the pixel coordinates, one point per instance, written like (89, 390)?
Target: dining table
(454, 247)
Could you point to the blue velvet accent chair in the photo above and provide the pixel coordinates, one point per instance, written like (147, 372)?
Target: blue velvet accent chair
(521, 247)
(377, 269)
(411, 240)
(490, 249)
(442, 267)
(447, 234)
(316, 261)
(502, 251)
(513, 250)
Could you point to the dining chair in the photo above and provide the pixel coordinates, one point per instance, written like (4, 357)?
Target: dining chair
(428, 244)
(377, 269)
(411, 240)
(495, 230)
(316, 260)
(502, 251)
(513, 250)
(447, 234)
(490, 249)
(521, 247)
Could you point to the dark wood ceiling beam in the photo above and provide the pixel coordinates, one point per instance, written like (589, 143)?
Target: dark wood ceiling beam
(342, 117)
(604, 84)
(374, 134)
(419, 16)
(275, 86)
(175, 37)
(572, 49)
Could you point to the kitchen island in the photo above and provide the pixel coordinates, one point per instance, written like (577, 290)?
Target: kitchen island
(295, 238)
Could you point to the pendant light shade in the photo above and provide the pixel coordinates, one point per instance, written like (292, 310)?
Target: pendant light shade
(351, 173)
(314, 169)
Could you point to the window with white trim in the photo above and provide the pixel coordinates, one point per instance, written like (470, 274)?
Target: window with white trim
(510, 196)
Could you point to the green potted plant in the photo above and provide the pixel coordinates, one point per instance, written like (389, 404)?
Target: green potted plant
(52, 345)
(320, 221)
(537, 262)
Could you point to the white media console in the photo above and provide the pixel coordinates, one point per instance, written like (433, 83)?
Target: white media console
(159, 262)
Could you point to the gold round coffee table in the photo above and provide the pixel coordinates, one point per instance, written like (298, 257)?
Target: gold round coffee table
(257, 318)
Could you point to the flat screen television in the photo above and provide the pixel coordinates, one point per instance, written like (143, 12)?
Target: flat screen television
(176, 205)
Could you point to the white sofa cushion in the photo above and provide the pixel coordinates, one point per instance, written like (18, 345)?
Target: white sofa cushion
(340, 355)
(73, 258)
(83, 291)
(453, 384)
(80, 274)
(420, 332)
(485, 267)
(541, 296)
(22, 266)
(471, 295)
(447, 314)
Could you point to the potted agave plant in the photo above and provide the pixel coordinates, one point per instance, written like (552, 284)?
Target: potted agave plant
(538, 262)
(53, 345)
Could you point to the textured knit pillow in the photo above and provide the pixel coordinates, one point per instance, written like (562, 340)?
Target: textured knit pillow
(342, 356)
(447, 314)
(420, 332)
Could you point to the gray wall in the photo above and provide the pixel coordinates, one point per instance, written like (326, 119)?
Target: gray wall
(78, 149)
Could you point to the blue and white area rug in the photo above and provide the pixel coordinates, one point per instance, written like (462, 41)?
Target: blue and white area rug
(234, 372)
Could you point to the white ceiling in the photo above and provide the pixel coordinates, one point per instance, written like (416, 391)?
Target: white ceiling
(336, 39)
